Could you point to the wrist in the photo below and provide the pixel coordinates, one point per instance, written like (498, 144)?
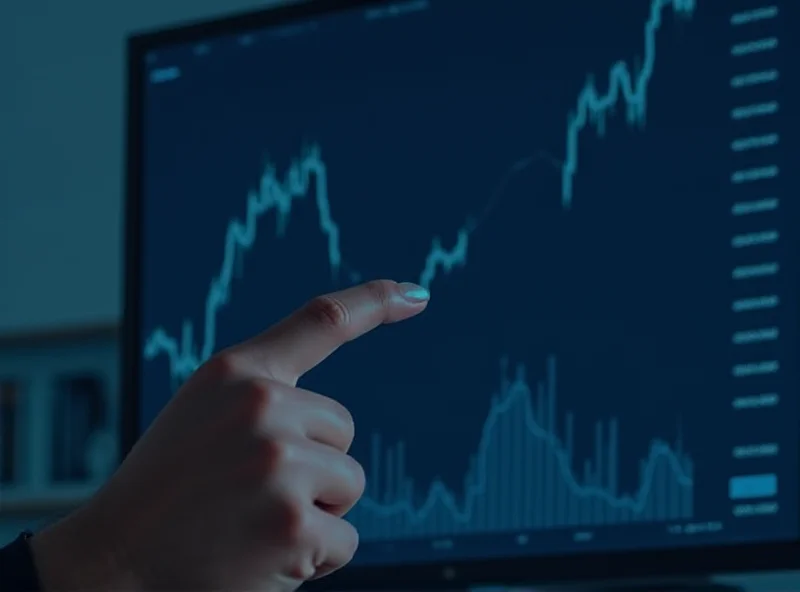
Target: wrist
(81, 552)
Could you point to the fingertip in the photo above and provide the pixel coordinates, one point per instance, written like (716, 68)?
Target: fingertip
(408, 300)
(414, 293)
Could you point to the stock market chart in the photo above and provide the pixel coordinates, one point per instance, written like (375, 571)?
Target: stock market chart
(598, 198)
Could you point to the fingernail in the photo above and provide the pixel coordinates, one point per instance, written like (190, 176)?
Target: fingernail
(414, 293)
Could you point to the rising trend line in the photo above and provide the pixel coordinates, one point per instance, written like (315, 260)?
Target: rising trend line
(594, 107)
(279, 196)
(515, 394)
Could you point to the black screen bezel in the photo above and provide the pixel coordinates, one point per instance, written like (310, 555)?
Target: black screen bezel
(665, 563)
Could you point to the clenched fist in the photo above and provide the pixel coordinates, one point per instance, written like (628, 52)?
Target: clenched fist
(242, 481)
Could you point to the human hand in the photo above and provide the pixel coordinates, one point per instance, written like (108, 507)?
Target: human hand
(242, 481)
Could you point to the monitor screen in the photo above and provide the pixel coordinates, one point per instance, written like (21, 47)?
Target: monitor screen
(598, 197)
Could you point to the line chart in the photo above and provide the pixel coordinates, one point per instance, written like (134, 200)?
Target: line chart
(522, 477)
(279, 196)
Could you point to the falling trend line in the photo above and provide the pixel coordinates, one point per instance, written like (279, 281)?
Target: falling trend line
(513, 403)
(279, 196)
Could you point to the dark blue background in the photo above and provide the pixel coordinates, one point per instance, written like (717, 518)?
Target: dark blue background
(418, 118)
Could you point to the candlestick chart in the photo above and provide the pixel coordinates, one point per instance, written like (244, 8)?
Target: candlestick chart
(279, 196)
(535, 454)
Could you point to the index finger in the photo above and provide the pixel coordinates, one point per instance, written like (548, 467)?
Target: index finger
(308, 336)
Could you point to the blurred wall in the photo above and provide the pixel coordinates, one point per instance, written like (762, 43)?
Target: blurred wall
(61, 152)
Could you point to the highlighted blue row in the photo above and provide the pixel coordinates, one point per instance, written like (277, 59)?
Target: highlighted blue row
(753, 487)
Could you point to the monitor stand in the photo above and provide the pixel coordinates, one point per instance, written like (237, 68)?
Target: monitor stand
(663, 585)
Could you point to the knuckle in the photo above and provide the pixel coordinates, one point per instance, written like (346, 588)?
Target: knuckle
(221, 366)
(359, 478)
(348, 423)
(342, 421)
(257, 399)
(380, 291)
(354, 540)
(262, 394)
(293, 520)
(350, 543)
(274, 455)
(328, 311)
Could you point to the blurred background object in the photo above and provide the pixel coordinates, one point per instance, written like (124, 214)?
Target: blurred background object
(59, 410)
(62, 116)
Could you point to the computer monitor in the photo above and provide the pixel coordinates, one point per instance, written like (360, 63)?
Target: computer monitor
(600, 197)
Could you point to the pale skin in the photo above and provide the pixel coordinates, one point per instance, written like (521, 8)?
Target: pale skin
(242, 481)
